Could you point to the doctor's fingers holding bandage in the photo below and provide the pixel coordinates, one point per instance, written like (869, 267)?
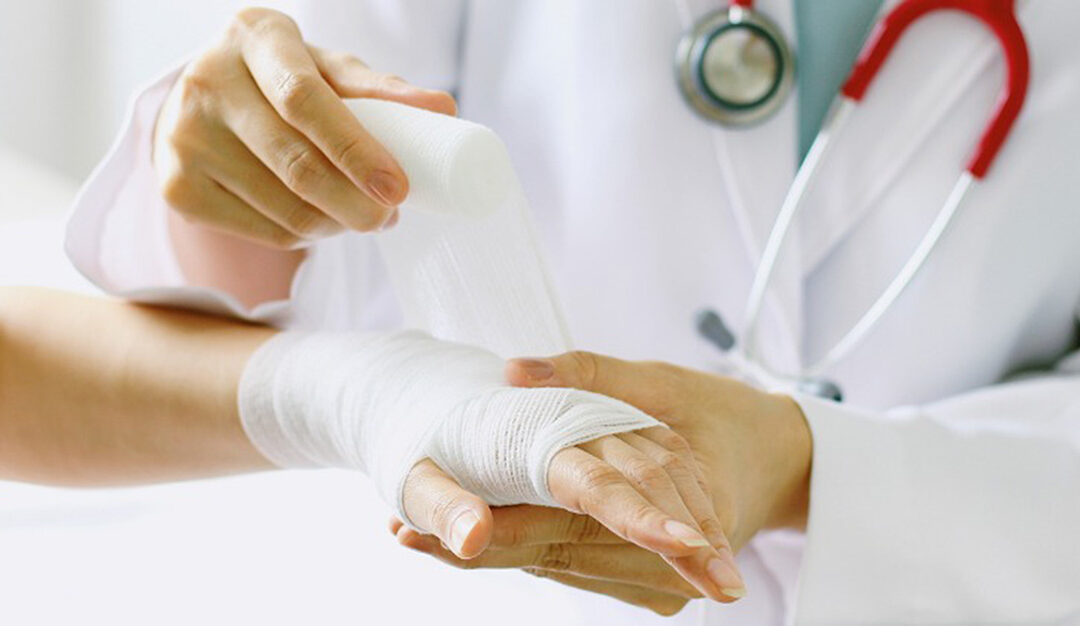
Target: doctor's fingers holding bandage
(254, 139)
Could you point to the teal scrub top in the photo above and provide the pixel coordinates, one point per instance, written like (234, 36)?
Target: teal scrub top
(830, 34)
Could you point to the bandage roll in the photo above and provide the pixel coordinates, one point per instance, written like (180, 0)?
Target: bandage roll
(455, 167)
(464, 258)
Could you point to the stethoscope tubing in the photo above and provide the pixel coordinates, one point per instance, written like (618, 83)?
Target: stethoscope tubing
(1000, 17)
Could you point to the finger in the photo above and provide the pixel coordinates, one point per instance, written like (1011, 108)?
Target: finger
(652, 482)
(623, 563)
(352, 78)
(655, 485)
(665, 604)
(584, 484)
(299, 164)
(437, 504)
(199, 199)
(236, 169)
(643, 385)
(681, 466)
(528, 525)
(287, 75)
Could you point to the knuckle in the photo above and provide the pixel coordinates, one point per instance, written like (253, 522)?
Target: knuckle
(585, 366)
(196, 82)
(351, 150)
(178, 192)
(599, 477)
(583, 529)
(641, 515)
(556, 557)
(303, 171)
(712, 528)
(251, 18)
(672, 441)
(293, 90)
(673, 463)
(647, 474)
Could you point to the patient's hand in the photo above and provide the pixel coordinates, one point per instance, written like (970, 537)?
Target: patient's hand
(572, 549)
(752, 448)
(644, 486)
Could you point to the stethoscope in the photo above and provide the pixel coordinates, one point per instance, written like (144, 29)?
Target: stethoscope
(735, 67)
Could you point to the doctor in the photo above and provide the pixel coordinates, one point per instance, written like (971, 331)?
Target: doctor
(939, 492)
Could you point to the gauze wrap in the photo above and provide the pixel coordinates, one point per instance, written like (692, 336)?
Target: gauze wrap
(469, 275)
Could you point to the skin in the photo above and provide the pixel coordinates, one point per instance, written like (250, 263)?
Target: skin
(258, 156)
(753, 448)
(150, 396)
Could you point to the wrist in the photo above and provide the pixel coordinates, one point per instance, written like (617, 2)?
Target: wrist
(793, 450)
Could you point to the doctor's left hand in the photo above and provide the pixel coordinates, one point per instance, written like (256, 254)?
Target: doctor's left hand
(753, 447)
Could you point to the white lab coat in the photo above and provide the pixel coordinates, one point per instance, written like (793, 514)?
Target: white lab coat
(939, 494)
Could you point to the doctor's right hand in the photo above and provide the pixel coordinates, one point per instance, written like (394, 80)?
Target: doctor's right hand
(255, 141)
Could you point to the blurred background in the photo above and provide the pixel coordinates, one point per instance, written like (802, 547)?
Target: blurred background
(278, 548)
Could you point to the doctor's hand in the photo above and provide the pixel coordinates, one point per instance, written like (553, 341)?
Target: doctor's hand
(255, 141)
(754, 449)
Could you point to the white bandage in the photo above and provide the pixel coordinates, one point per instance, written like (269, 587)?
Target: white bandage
(381, 402)
(468, 272)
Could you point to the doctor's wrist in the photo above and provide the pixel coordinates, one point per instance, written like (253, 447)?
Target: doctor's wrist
(792, 453)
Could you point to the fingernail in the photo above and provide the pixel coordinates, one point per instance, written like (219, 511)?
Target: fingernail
(537, 369)
(385, 188)
(686, 535)
(461, 528)
(722, 572)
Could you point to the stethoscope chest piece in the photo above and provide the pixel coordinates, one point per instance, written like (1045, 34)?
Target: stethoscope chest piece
(735, 67)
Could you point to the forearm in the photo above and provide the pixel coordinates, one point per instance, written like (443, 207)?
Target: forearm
(250, 272)
(94, 391)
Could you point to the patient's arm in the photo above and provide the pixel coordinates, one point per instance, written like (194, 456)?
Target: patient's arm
(95, 391)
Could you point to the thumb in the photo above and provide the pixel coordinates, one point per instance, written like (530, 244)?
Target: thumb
(352, 78)
(438, 505)
(634, 383)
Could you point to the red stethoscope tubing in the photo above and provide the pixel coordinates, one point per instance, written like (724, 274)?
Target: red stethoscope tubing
(1000, 17)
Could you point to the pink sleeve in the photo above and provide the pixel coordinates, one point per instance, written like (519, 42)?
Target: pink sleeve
(116, 234)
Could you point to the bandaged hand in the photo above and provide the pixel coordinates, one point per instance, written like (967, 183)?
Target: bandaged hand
(753, 448)
(404, 408)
